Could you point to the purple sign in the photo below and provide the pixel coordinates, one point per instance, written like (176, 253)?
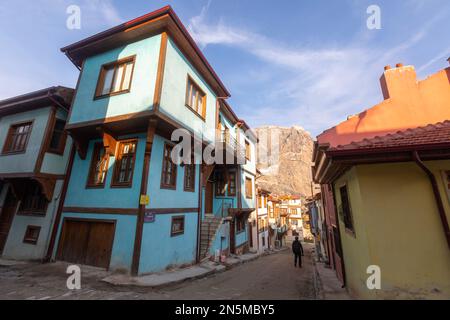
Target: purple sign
(149, 217)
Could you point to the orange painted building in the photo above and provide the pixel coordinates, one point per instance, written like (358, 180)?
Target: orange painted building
(408, 103)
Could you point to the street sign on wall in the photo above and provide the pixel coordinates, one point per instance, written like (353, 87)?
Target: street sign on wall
(149, 217)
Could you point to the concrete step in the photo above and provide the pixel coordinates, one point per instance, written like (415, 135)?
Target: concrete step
(208, 231)
(212, 227)
(212, 218)
(205, 223)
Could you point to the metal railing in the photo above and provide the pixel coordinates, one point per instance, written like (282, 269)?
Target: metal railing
(225, 205)
(232, 144)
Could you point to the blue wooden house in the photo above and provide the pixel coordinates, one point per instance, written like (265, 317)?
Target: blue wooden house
(34, 157)
(127, 205)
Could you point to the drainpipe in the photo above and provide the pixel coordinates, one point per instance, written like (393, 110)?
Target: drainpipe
(344, 275)
(437, 195)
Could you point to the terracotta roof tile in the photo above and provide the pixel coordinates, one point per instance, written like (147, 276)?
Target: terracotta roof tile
(431, 134)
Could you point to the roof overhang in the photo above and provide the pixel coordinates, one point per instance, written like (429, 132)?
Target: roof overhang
(57, 96)
(140, 28)
(128, 124)
(238, 212)
(334, 163)
(226, 109)
(264, 191)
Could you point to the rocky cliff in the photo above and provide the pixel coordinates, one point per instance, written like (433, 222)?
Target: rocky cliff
(284, 159)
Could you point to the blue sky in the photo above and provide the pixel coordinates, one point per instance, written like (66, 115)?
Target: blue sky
(304, 63)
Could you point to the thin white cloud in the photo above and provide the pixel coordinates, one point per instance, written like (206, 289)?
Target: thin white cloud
(94, 13)
(102, 8)
(41, 24)
(439, 57)
(313, 87)
(220, 34)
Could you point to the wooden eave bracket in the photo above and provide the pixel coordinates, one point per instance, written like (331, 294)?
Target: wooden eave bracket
(47, 186)
(207, 170)
(81, 147)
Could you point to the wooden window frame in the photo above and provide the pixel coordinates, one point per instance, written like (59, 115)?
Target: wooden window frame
(223, 174)
(187, 95)
(248, 191)
(240, 224)
(62, 140)
(228, 190)
(231, 193)
(261, 225)
(248, 151)
(114, 181)
(178, 233)
(174, 169)
(9, 137)
(193, 177)
(101, 77)
(29, 240)
(90, 180)
(347, 217)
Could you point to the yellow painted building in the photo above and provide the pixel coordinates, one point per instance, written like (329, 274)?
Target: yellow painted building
(392, 197)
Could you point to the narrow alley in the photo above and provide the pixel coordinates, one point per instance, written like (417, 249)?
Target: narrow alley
(269, 277)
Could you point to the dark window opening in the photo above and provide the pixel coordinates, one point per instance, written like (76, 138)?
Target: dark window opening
(220, 183)
(240, 224)
(346, 209)
(177, 226)
(33, 201)
(32, 234)
(189, 177)
(58, 140)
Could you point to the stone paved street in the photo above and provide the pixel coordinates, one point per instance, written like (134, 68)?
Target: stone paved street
(269, 277)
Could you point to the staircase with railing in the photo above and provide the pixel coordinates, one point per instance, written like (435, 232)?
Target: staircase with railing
(211, 226)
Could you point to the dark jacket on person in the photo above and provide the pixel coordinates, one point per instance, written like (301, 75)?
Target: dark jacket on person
(297, 247)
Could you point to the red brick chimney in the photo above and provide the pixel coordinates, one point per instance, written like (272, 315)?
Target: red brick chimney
(398, 81)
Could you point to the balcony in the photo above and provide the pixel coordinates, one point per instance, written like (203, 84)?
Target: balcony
(230, 144)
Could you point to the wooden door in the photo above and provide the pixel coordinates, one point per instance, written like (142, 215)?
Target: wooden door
(73, 241)
(209, 192)
(338, 257)
(250, 234)
(99, 247)
(86, 242)
(6, 218)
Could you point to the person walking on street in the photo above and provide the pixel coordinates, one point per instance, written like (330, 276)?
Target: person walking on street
(297, 249)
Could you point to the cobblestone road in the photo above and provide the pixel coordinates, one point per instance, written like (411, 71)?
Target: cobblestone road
(269, 277)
